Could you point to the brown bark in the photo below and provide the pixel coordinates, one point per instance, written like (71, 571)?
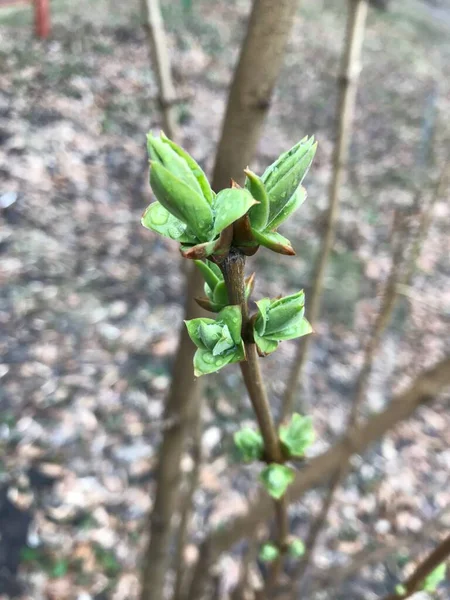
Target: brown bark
(347, 98)
(427, 385)
(251, 91)
(181, 406)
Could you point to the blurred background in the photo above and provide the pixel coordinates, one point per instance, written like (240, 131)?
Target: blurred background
(91, 302)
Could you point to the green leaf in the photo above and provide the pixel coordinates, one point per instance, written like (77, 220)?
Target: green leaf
(400, 590)
(250, 444)
(434, 578)
(296, 548)
(260, 213)
(298, 329)
(283, 163)
(284, 313)
(224, 343)
(273, 241)
(230, 205)
(220, 293)
(194, 167)
(265, 346)
(269, 552)
(205, 362)
(181, 201)
(261, 320)
(161, 152)
(193, 327)
(211, 333)
(215, 268)
(276, 479)
(282, 182)
(298, 435)
(232, 317)
(297, 199)
(208, 274)
(158, 219)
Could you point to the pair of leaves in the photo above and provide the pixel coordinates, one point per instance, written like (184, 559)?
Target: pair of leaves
(218, 342)
(270, 552)
(187, 210)
(278, 320)
(279, 193)
(276, 479)
(215, 289)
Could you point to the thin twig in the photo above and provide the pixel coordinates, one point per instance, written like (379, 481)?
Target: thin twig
(421, 391)
(351, 67)
(333, 578)
(154, 26)
(423, 569)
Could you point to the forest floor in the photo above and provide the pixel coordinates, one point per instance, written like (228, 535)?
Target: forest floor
(90, 302)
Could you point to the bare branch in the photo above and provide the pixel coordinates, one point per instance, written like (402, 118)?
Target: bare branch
(427, 566)
(350, 70)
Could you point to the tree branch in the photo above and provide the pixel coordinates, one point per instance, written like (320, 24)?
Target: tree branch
(350, 70)
(427, 566)
(427, 385)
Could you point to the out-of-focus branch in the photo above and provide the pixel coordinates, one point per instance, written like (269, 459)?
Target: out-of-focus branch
(423, 569)
(157, 42)
(350, 70)
(333, 578)
(427, 385)
(187, 503)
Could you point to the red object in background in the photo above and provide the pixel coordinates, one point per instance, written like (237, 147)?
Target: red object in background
(41, 15)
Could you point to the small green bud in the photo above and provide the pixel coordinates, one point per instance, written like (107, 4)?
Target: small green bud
(276, 479)
(249, 444)
(269, 552)
(218, 341)
(296, 548)
(400, 590)
(434, 578)
(278, 320)
(297, 436)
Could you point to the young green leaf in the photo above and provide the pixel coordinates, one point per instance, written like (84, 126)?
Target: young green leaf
(181, 201)
(434, 578)
(195, 168)
(274, 241)
(284, 313)
(230, 205)
(158, 219)
(296, 548)
(162, 153)
(296, 200)
(400, 590)
(249, 444)
(260, 213)
(276, 479)
(298, 435)
(269, 552)
(209, 275)
(283, 163)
